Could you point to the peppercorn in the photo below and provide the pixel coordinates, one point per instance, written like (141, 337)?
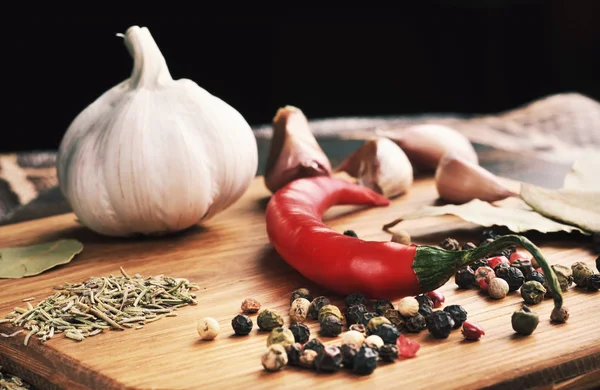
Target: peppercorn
(450, 244)
(401, 237)
(269, 319)
(359, 328)
(329, 310)
(581, 273)
(316, 305)
(479, 263)
(498, 288)
(250, 306)
(564, 275)
(301, 332)
(465, 278)
(424, 300)
(374, 341)
(353, 337)
(307, 358)
(593, 282)
(536, 277)
(437, 298)
(294, 351)
(355, 313)
(440, 324)
(416, 323)
(301, 293)
(349, 352)
(281, 335)
(506, 252)
(489, 233)
(241, 324)
(425, 310)
(468, 245)
(376, 322)
(406, 347)
(355, 299)
(365, 361)
(494, 261)
(350, 233)
(524, 265)
(501, 266)
(389, 352)
(367, 317)
(458, 313)
(533, 292)
(483, 276)
(408, 306)
(299, 310)
(208, 328)
(525, 321)
(395, 318)
(471, 331)
(381, 306)
(559, 315)
(331, 326)
(315, 345)
(275, 358)
(388, 333)
(329, 359)
(513, 276)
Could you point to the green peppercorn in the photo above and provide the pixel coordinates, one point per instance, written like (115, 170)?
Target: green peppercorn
(593, 282)
(424, 300)
(301, 332)
(440, 324)
(416, 323)
(294, 351)
(269, 319)
(281, 335)
(388, 333)
(536, 276)
(354, 314)
(524, 265)
(301, 293)
(375, 322)
(450, 244)
(468, 245)
(367, 317)
(381, 306)
(512, 275)
(316, 305)
(564, 275)
(241, 324)
(350, 233)
(331, 326)
(581, 273)
(465, 278)
(458, 313)
(533, 292)
(329, 310)
(349, 352)
(524, 321)
(355, 299)
(365, 361)
(395, 318)
(389, 352)
(315, 345)
(359, 328)
(329, 359)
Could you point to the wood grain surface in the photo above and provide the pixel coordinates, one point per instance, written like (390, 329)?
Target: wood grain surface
(231, 259)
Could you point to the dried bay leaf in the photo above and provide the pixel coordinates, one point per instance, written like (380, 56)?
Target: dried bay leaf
(584, 174)
(32, 260)
(574, 206)
(517, 219)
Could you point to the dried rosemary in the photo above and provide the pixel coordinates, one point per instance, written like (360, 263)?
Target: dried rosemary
(11, 382)
(115, 302)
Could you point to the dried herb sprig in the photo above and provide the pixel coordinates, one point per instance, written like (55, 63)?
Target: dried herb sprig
(11, 382)
(86, 309)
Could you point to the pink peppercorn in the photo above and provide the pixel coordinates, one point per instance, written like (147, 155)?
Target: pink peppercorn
(437, 298)
(519, 256)
(407, 347)
(494, 261)
(472, 331)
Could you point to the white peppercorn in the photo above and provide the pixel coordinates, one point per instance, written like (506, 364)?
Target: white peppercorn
(498, 288)
(408, 306)
(353, 337)
(374, 341)
(275, 358)
(299, 310)
(307, 358)
(208, 328)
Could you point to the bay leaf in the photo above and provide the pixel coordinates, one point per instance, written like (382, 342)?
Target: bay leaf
(573, 206)
(32, 260)
(517, 219)
(584, 174)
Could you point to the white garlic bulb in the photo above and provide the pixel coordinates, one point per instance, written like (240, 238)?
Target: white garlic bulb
(154, 155)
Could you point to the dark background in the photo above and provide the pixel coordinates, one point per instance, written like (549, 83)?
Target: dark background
(437, 56)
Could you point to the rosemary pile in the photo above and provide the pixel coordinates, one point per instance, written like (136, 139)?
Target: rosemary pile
(115, 302)
(11, 382)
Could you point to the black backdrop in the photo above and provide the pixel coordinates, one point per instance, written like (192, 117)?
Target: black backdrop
(427, 56)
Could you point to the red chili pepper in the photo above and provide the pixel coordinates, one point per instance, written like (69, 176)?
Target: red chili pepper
(378, 269)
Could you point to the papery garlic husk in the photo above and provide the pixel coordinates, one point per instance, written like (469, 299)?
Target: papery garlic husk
(294, 151)
(154, 155)
(380, 165)
(459, 181)
(425, 145)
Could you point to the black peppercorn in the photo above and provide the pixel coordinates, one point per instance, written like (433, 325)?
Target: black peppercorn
(593, 282)
(395, 318)
(350, 233)
(331, 326)
(425, 310)
(450, 244)
(349, 352)
(241, 324)
(388, 352)
(440, 324)
(359, 328)
(479, 263)
(501, 266)
(416, 323)
(468, 245)
(329, 359)
(536, 277)
(458, 313)
(489, 233)
(506, 252)
(465, 278)
(366, 317)
(316, 305)
(513, 276)
(300, 331)
(388, 333)
(314, 344)
(424, 300)
(525, 266)
(293, 353)
(365, 361)
(355, 313)
(301, 293)
(381, 306)
(355, 299)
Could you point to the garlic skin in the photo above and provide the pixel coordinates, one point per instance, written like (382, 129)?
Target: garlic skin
(425, 145)
(460, 181)
(380, 165)
(294, 151)
(153, 155)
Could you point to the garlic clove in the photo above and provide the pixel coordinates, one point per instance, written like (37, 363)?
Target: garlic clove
(459, 181)
(294, 152)
(425, 145)
(380, 164)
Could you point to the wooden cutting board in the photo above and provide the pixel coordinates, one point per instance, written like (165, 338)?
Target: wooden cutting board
(231, 259)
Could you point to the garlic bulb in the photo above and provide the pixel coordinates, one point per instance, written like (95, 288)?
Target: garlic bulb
(380, 165)
(153, 155)
(425, 145)
(460, 181)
